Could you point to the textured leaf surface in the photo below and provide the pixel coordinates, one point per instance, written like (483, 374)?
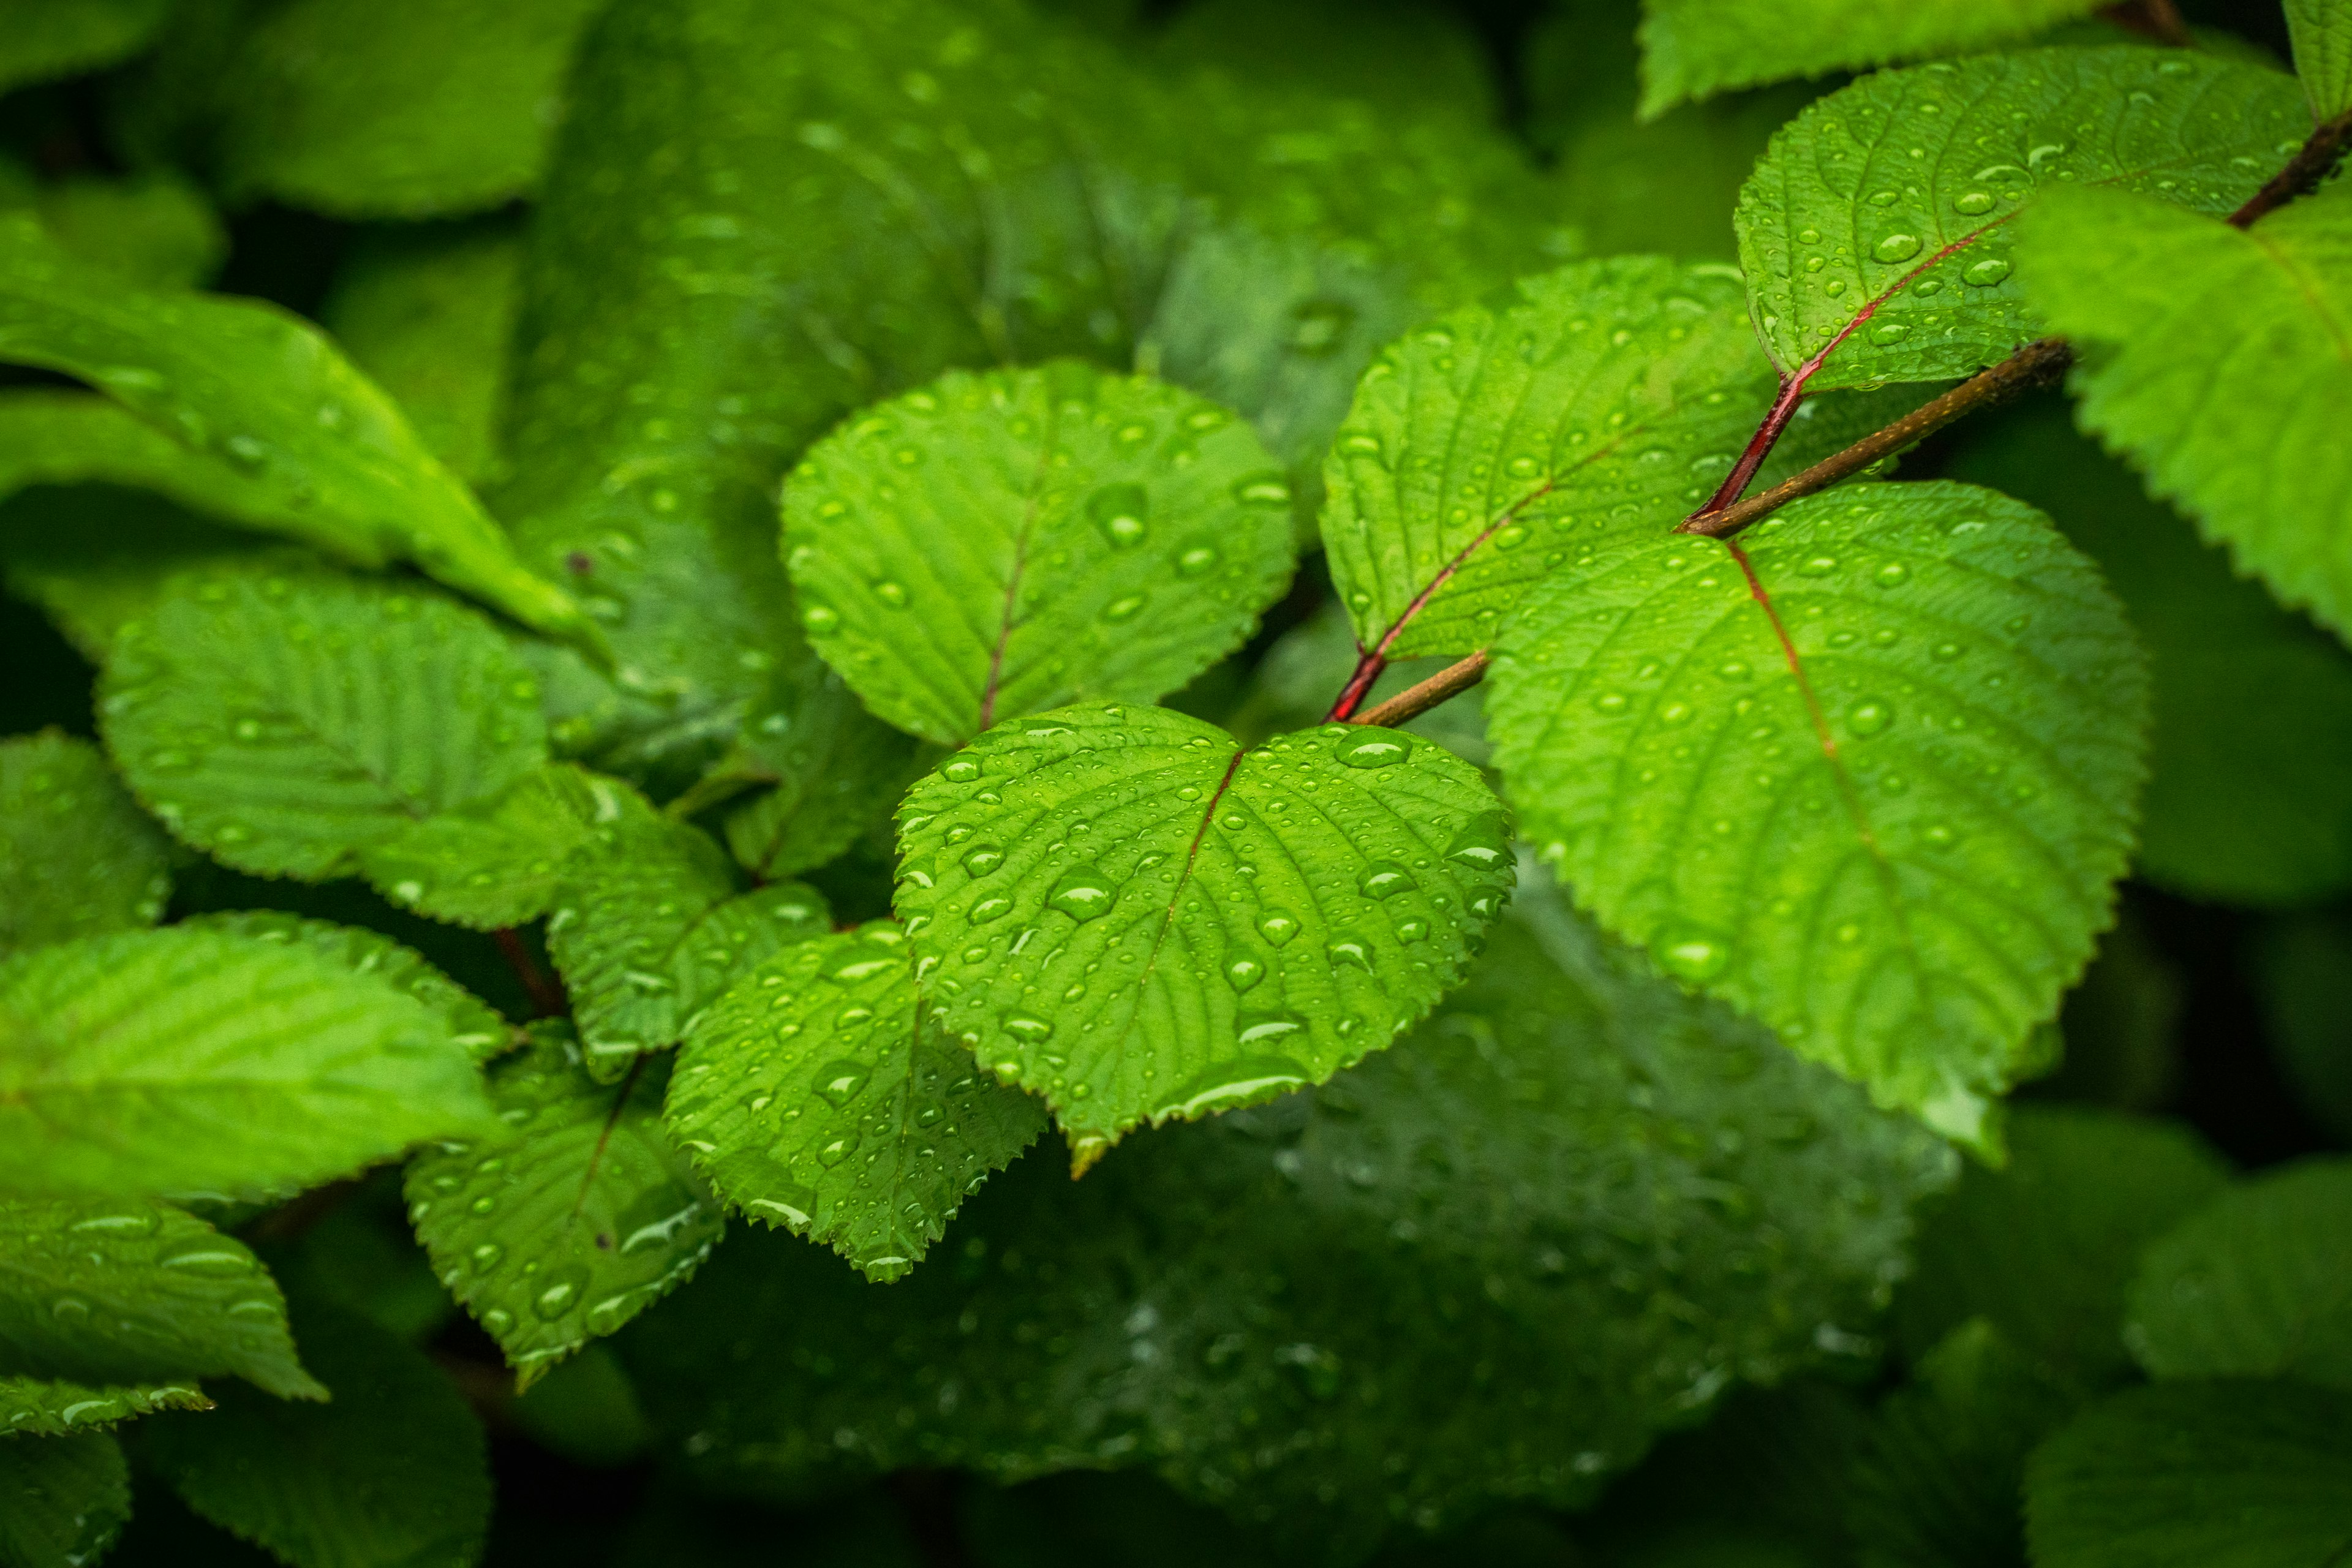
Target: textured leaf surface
(498, 862)
(388, 1474)
(995, 545)
(196, 1061)
(329, 458)
(2227, 1474)
(578, 1214)
(2044, 1247)
(473, 1024)
(1326, 1313)
(77, 857)
(835, 772)
(2322, 34)
(429, 315)
(290, 722)
(156, 229)
(1877, 798)
(111, 1291)
(2231, 362)
(1867, 261)
(62, 1500)
(40, 1407)
(1125, 914)
(653, 925)
(44, 38)
(415, 110)
(1696, 48)
(816, 1095)
(2255, 1284)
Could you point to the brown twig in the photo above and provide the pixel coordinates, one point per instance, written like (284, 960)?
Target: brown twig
(2158, 19)
(1414, 701)
(546, 994)
(2302, 172)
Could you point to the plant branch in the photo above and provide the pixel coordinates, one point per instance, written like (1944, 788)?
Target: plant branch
(2302, 172)
(2158, 19)
(545, 992)
(1414, 701)
(2029, 366)
(1368, 666)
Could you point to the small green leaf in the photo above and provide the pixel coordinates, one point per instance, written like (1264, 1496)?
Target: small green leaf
(196, 1061)
(2044, 1247)
(499, 862)
(473, 1024)
(77, 857)
(1696, 48)
(2225, 373)
(328, 457)
(995, 545)
(651, 927)
(40, 1407)
(2221, 1474)
(817, 1096)
(413, 110)
(428, 315)
(62, 1500)
(1876, 233)
(156, 230)
(290, 722)
(576, 1216)
(129, 1291)
(389, 1475)
(836, 771)
(40, 39)
(2321, 31)
(1126, 913)
(2257, 1283)
(1867, 775)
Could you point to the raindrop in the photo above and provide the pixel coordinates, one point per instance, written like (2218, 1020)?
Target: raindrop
(1278, 926)
(837, 1083)
(1690, 953)
(1373, 751)
(1027, 1027)
(1896, 246)
(1383, 878)
(1084, 893)
(1122, 513)
(1985, 273)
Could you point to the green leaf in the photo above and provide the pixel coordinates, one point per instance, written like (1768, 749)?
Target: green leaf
(2304, 968)
(62, 1500)
(1866, 264)
(587, 1413)
(196, 1061)
(651, 927)
(996, 545)
(1696, 48)
(498, 862)
(2321, 31)
(93, 557)
(391, 1474)
(407, 112)
(1405, 58)
(428, 314)
(291, 722)
(40, 39)
(109, 1290)
(817, 1096)
(1325, 1314)
(2226, 358)
(156, 229)
(2044, 1247)
(1935, 1483)
(2253, 1284)
(472, 1024)
(1227, 924)
(328, 459)
(38, 1407)
(835, 772)
(576, 1216)
(1867, 775)
(2227, 1474)
(77, 857)
(2250, 770)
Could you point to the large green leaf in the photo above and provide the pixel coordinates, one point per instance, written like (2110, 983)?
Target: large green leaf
(2250, 770)
(31, 1406)
(1489, 1264)
(197, 1061)
(116, 1290)
(44, 38)
(1696, 48)
(411, 110)
(77, 858)
(2225, 1474)
(472, 1023)
(1128, 914)
(995, 545)
(817, 1095)
(292, 722)
(576, 1216)
(2322, 33)
(2044, 1247)
(62, 1500)
(327, 457)
(389, 1475)
(1877, 234)
(652, 924)
(2255, 1284)
(2226, 366)
(1868, 773)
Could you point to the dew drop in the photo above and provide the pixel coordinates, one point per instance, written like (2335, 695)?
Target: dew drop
(837, 1083)
(1373, 751)
(1985, 273)
(1084, 893)
(1383, 878)
(1121, 514)
(1278, 926)
(1896, 246)
(1691, 953)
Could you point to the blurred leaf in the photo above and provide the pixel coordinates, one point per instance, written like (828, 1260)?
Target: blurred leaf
(2321, 31)
(2121, 1026)
(1406, 58)
(154, 228)
(62, 1500)
(584, 1411)
(826, 772)
(2305, 968)
(40, 39)
(77, 857)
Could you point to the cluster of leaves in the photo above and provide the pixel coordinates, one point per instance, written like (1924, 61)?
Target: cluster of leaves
(760, 659)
